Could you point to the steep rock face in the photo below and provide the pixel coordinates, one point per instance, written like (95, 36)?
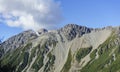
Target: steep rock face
(72, 30)
(18, 40)
(1, 51)
(94, 50)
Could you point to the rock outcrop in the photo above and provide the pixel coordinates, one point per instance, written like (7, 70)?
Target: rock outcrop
(72, 30)
(18, 40)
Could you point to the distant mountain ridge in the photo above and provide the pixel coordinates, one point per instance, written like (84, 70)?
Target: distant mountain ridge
(73, 48)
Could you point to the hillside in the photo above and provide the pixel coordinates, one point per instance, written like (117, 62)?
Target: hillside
(72, 48)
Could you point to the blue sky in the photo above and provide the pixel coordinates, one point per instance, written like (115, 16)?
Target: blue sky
(90, 13)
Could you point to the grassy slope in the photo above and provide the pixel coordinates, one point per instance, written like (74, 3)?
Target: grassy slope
(82, 52)
(20, 58)
(67, 65)
(20, 55)
(105, 62)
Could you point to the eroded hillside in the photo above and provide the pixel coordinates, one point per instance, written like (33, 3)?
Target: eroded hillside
(72, 48)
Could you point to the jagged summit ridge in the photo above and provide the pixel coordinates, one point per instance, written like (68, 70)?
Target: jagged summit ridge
(18, 40)
(73, 30)
(70, 31)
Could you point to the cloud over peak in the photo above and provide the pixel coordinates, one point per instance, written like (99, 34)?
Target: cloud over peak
(30, 14)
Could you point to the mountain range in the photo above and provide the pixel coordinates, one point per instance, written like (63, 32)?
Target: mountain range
(73, 48)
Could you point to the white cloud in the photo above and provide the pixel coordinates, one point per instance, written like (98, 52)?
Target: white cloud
(31, 14)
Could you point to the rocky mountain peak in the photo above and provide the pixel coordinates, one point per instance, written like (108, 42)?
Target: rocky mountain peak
(41, 31)
(18, 40)
(73, 30)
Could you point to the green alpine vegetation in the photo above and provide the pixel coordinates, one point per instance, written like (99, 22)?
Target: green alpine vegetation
(82, 52)
(109, 57)
(67, 63)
